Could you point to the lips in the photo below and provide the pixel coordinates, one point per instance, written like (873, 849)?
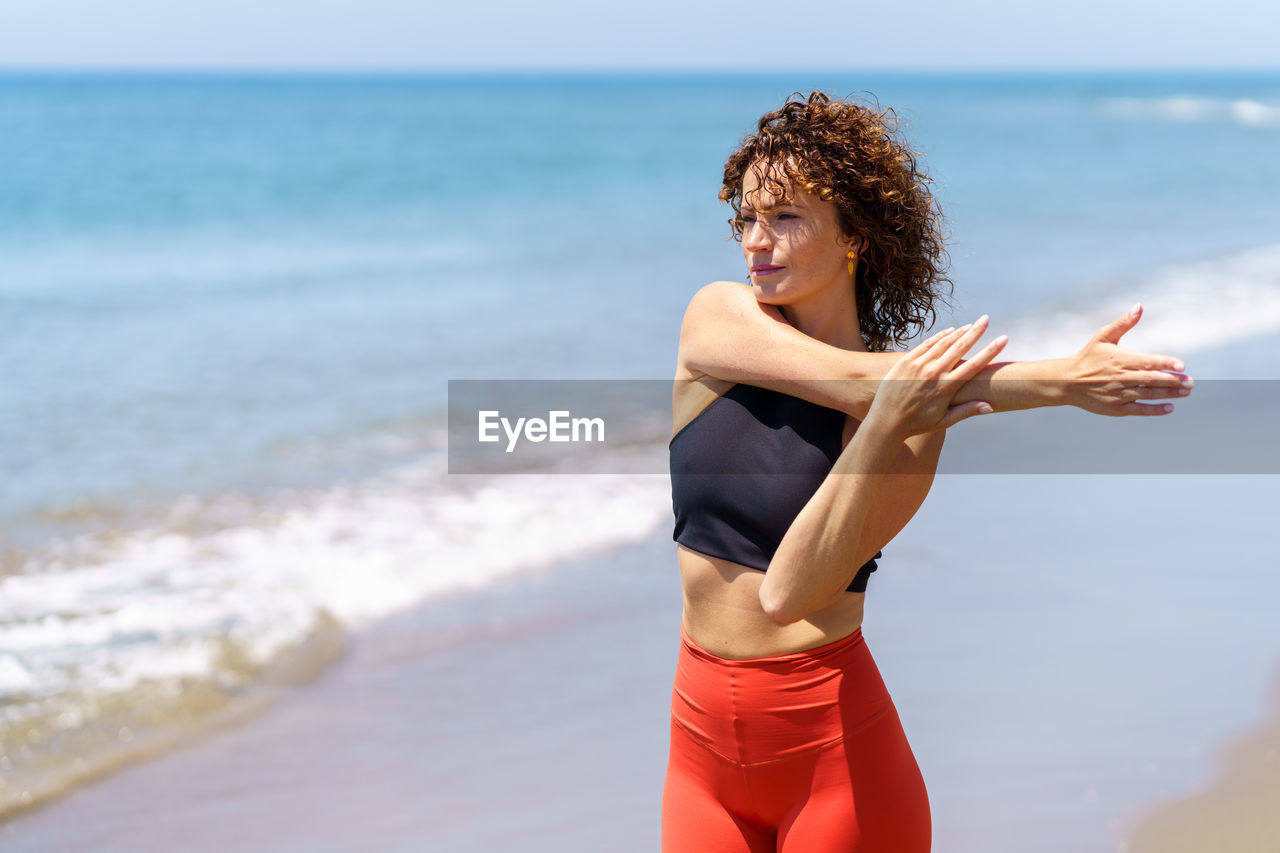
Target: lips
(764, 269)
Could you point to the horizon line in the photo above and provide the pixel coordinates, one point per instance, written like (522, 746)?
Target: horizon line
(617, 71)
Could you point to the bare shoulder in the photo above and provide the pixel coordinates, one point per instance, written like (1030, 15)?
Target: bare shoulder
(705, 317)
(695, 389)
(719, 312)
(722, 289)
(721, 299)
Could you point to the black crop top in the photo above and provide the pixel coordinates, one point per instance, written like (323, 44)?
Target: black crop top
(745, 466)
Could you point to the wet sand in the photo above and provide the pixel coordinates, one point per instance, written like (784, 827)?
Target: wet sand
(499, 721)
(1238, 811)
(1050, 695)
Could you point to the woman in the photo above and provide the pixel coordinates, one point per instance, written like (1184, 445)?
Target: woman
(783, 736)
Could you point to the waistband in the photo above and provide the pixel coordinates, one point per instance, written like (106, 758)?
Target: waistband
(764, 709)
(818, 653)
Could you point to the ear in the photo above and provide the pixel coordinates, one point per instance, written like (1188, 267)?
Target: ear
(854, 244)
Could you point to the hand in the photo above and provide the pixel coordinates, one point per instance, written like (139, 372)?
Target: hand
(1107, 380)
(928, 377)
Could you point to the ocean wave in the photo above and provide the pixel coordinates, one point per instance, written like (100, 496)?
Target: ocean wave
(1243, 111)
(154, 699)
(112, 643)
(1187, 309)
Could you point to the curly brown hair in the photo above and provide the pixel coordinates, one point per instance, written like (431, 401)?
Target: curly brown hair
(851, 154)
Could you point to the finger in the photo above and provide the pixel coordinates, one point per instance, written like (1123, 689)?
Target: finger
(1154, 392)
(1148, 361)
(947, 358)
(921, 354)
(1146, 392)
(960, 412)
(930, 341)
(1113, 331)
(979, 362)
(1160, 379)
(1143, 409)
(961, 345)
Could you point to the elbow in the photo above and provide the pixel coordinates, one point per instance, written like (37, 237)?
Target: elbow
(788, 596)
(786, 604)
(781, 609)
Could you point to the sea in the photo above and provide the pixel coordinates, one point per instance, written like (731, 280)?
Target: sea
(233, 304)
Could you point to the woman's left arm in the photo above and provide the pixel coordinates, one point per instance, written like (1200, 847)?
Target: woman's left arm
(729, 335)
(902, 492)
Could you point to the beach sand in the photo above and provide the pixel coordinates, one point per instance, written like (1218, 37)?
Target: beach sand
(1237, 807)
(1050, 696)
(1239, 811)
(511, 719)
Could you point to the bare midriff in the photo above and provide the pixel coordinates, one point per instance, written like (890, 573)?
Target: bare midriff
(722, 610)
(723, 614)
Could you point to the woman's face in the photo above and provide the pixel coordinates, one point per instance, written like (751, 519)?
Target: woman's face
(791, 241)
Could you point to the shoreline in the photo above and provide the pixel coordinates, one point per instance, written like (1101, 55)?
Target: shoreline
(297, 667)
(1234, 810)
(402, 740)
(549, 695)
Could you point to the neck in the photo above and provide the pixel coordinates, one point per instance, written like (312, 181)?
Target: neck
(830, 316)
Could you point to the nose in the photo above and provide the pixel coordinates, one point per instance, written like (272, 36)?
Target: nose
(755, 237)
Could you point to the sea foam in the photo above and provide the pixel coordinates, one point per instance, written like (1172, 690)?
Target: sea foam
(1247, 112)
(1187, 309)
(104, 639)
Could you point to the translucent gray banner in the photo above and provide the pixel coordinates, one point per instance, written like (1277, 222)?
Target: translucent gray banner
(623, 427)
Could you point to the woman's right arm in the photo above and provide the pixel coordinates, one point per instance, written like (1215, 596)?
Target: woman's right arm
(727, 334)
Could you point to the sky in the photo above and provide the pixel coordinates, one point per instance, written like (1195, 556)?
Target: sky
(745, 35)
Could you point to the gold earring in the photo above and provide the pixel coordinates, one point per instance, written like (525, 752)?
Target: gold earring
(852, 256)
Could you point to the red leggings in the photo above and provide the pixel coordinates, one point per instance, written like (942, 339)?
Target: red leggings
(799, 753)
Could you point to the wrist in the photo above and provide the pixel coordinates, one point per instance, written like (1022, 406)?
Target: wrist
(1060, 382)
(882, 429)
(1047, 382)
